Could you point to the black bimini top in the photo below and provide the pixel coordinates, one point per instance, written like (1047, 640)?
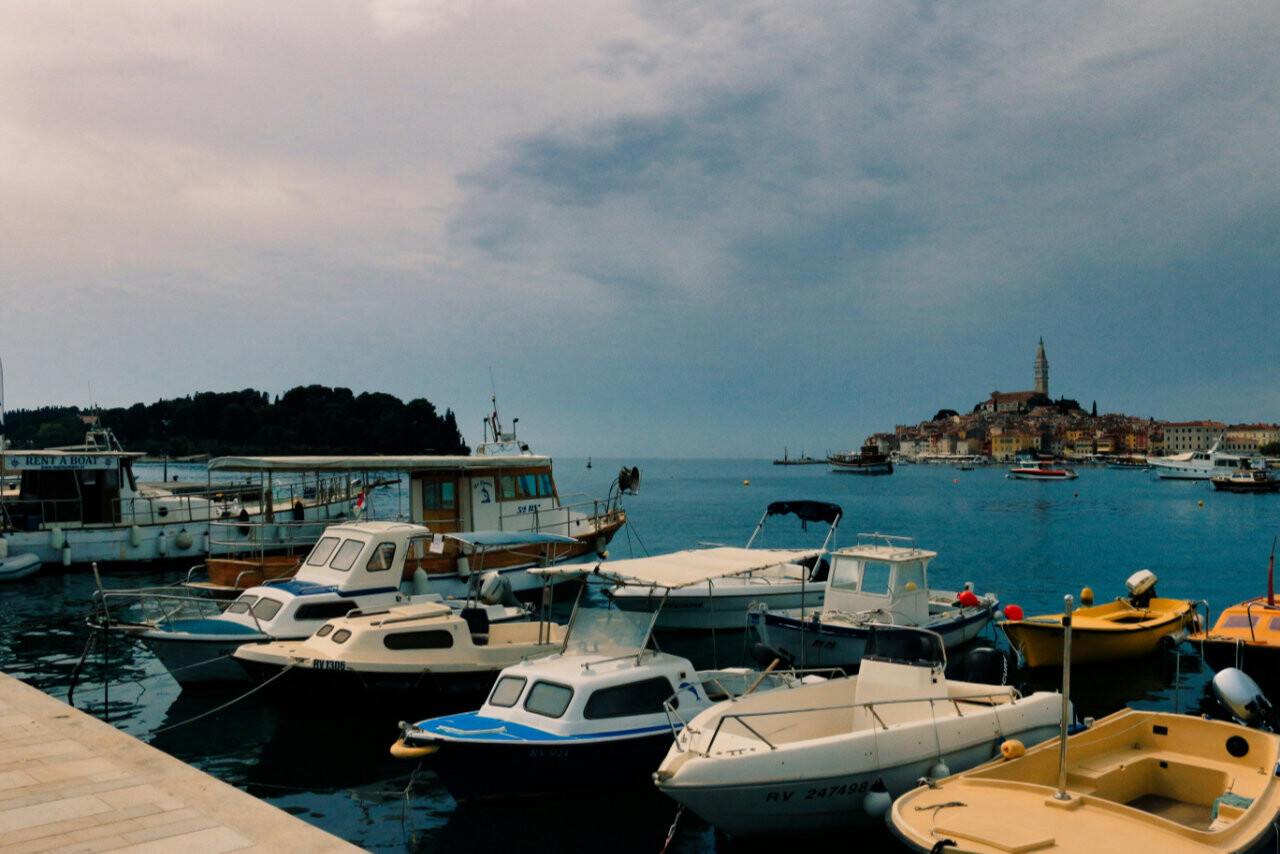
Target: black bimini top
(807, 511)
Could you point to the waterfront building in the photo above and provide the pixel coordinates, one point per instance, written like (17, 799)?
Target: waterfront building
(1183, 436)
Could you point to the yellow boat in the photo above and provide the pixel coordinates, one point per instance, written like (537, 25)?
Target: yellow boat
(1135, 781)
(1125, 628)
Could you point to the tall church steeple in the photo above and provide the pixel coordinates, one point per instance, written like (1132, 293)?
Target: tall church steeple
(1042, 371)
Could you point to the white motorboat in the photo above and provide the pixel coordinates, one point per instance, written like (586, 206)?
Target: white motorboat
(352, 566)
(784, 580)
(1043, 470)
(880, 580)
(418, 653)
(834, 754)
(554, 724)
(1198, 465)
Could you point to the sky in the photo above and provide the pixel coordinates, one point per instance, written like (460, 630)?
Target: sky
(656, 228)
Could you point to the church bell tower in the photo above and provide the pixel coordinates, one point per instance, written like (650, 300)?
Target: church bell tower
(1042, 371)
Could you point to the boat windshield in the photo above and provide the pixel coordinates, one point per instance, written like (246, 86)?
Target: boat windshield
(608, 630)
(907, 645)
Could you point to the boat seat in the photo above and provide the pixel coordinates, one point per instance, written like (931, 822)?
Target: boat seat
(477, 620)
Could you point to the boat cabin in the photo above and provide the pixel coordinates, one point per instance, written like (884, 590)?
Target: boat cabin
(881, 573)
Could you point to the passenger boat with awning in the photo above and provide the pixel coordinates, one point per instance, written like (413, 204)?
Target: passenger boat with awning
(781, 579)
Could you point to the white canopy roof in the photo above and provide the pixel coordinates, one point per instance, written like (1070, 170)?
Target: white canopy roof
(373, 463)
(685, 568)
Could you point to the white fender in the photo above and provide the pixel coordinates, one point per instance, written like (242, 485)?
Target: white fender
(56, 537)
(4, 548)
(183, 540)
(135, 536)
(66, 553)
(162, 547)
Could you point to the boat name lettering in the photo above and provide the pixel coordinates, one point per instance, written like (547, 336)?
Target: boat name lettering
(528, 508)
(320, 664)
(819, 643)
(68, 461)
(549, 753)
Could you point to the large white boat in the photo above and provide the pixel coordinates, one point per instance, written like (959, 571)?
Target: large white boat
(83, 505)
(880, 580)
(834, 754)
(1197, 465)
(781, 579)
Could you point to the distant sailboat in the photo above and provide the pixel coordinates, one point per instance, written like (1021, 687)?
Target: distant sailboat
(588, 462)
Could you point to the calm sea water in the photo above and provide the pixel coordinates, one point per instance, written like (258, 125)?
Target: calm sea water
(327, 762)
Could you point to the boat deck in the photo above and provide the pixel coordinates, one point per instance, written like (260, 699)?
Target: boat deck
(68, 781)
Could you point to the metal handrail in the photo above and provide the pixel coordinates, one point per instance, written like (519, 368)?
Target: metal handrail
(870, 705)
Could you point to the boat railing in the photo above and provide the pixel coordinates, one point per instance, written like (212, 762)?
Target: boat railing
(150, 606)
(999, 695)
(561, 518)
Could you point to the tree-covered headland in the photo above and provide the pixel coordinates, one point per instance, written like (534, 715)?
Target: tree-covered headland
(310, 419)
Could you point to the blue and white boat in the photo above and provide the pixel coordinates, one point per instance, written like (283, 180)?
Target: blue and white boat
(880, 580)
(352, 566)
(606, 701)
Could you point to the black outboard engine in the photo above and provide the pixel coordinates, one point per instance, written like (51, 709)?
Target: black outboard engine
(988, 665)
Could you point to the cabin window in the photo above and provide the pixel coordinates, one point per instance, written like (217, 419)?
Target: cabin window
(321, 551)
(1240, 621)
(382, 557)
(324, 630)
(548, 698)
(266, 608)
(636, 698)
(242, 605)
(341, 635)
(528, 485)
(507, 691)
(325, 610)
(438, 495)
(346, 555)
(507, 487)
(875, 577)
(910, 573)
(434, 639)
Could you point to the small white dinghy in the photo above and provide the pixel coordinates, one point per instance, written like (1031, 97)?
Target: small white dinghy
(17, 566)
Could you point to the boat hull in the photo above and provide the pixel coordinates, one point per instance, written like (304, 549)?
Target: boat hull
(791, 801)
(830, 644)
(1038, 641)
(485, 770)
(200, 652)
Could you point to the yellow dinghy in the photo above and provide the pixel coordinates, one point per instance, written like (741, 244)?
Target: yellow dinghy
(1135, 781)
(1125, 628)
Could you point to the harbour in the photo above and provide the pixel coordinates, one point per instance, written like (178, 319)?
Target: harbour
(1028, 542)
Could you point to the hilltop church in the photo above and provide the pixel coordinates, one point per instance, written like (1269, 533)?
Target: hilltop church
(1022, 401)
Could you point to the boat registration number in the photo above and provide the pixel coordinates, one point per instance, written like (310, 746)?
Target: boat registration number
(817, 793)
(321, 664)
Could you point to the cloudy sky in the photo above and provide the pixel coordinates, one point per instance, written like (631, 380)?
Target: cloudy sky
(663, 227)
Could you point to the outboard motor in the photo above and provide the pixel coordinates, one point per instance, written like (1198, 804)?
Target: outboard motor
(988, 665)
(495, 589)
(1142, 588)
(1242, 697)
